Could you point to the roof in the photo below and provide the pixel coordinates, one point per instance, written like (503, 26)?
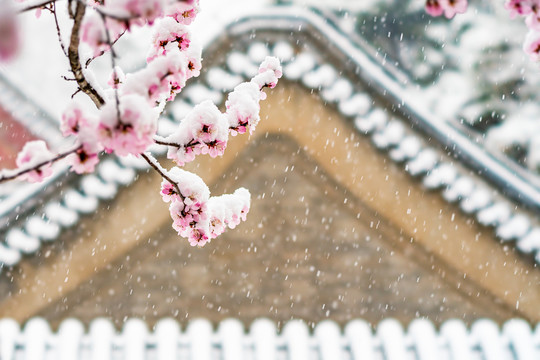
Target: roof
(483, 340)
(401, 131)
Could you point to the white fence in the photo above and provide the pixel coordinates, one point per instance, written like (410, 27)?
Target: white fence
(262, 341)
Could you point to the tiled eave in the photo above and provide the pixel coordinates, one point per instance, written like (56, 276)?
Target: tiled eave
(389, 82)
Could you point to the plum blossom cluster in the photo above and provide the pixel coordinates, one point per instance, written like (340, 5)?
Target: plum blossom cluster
(112, 18)
(205, 130)
(127, 122)
(530, 10)
(447, 7)
(126, 115)
(197, 216)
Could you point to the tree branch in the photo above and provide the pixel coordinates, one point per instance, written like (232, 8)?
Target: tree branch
(74, 60)
(162, 141)
(150, 159)
(11, 175)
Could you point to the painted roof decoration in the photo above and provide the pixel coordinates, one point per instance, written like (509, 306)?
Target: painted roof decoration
(135, 341)
(485, 198)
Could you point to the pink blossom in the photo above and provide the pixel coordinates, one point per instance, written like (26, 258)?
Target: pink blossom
(75, 119)
(162, 79)
(176, 209)
(183, 12)
(533, 21)
(33, 154)
(206, 122)
(198, 238)
(203, 131)
(448, 7)
(194, 60)
(519, 7)
(216, 148)
(85, 159)
(181, 155)
(453, 7)
(532, 45)
(169, 35)
(9, 32)
(117, 78)
(434, 8)
(132, 131)
(168, 192)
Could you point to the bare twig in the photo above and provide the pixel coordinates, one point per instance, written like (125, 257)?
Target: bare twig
(74, 60)
(53, 10)
(89, 61)
(16, 174)
(150, 159)
(113, 64)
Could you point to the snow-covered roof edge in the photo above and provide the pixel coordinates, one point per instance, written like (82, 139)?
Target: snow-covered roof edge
(358, 340)
(511, 179)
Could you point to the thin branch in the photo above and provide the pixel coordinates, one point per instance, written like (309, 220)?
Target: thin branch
(113, 64)
(74, 60)
(150, 159)
(53, 10)
(103, 52)
(15, 174)
(35, 6)
(161, 141)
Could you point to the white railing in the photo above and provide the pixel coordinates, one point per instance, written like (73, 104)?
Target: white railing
(262, 341)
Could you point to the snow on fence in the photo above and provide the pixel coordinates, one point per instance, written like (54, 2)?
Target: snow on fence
(262, 341)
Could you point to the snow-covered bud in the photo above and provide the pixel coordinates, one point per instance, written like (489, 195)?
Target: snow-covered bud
(243, 108)
(227, 211)
(271, 63)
